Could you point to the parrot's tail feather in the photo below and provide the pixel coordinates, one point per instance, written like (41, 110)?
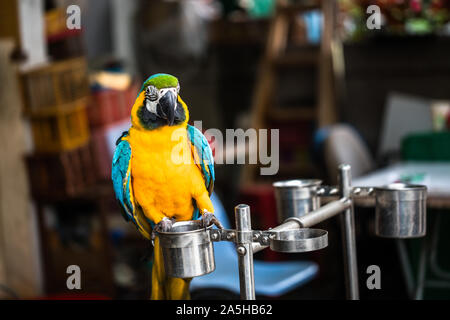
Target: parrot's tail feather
(163, 286)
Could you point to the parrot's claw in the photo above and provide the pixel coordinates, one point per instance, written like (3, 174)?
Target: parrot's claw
(209, 218)
(165, 225)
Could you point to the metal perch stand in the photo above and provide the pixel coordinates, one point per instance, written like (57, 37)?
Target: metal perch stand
(400, 213)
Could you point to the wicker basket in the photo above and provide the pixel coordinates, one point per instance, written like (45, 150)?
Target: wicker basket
(63, 130)
(55, 87)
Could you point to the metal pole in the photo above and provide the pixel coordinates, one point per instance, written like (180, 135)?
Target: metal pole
(310, 219)
(348, 225)
(406, 266)
(245, 252)
(323, 213)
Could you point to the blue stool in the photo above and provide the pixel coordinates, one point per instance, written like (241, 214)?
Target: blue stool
(272, 279)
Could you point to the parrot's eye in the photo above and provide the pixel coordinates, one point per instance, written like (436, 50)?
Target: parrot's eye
(178, 88)
(151, 93)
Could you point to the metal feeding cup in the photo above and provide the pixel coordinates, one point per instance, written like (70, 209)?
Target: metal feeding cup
(296, 198)
(400, 211)
(187, 250)
(300, 240)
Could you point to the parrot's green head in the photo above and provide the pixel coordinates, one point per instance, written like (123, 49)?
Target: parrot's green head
(158, 104)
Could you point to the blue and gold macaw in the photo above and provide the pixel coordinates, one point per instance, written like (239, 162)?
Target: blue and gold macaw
(163, 171)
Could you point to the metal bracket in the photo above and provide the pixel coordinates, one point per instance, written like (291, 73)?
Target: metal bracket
(262, 237)
(330, 191)
(222, 235)
(362, 191)
(327, 191)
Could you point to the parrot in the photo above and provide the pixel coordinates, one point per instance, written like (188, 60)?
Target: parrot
(152, 186)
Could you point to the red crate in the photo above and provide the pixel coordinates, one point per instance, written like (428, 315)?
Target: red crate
(109, 106)
(61, 174)
(102, 159)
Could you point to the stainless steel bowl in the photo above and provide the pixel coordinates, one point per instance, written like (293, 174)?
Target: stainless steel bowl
(296, 198)
(400, 210)
(187, 250)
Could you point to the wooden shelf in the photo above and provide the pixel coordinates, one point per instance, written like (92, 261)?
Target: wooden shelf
(238, 33)
(292, 113)
(295, 8)
(296, 60)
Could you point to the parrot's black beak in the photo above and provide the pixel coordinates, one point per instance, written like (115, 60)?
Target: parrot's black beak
(166, 107)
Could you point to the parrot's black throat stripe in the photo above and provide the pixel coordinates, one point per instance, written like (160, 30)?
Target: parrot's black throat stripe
(150, 120)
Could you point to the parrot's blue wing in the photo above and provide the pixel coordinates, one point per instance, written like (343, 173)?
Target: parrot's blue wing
(121, 177)
(123, 188)
(202, 155)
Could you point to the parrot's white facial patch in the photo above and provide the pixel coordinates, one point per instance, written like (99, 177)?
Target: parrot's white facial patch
(152, 96)
(151, 106)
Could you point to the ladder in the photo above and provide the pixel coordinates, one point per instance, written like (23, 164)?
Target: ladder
(277, 58)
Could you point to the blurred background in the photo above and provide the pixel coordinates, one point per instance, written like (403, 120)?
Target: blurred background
(338, 91)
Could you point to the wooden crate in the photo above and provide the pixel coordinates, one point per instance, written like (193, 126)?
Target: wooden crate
(61, 131)
(62, 174)
(54, 87)
(100, 153)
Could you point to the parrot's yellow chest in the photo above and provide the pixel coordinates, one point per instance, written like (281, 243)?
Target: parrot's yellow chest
(162, 184)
